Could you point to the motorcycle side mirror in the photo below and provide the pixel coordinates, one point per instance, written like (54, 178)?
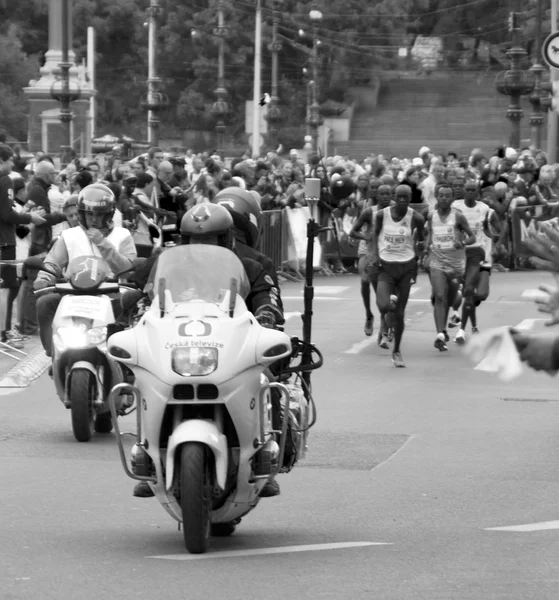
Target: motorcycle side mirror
(232, 296)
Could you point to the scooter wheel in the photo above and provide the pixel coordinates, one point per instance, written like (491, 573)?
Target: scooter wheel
(82, 393)
(103, 423)
(223, 529)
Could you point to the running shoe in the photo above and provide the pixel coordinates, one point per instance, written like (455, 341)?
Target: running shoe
(398, 361)
(369, 326)
(446, 336)
(460, 337)
(383, 341)
(12, 339)
(440, 344)
(454, 321)
(475, 330)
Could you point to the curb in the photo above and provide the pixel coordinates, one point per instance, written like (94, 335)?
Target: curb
(26, 370)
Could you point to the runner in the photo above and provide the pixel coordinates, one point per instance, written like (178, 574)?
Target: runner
(363, 231)
(483, 221)
(393, 250)
(447, 256)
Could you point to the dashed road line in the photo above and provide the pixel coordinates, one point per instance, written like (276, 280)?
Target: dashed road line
(528, 528)
(359, 346)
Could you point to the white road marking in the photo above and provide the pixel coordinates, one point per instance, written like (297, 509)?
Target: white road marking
(543, 526)
(414, 290)
(527, 324)
(419, 299)
(356, 348)
(331, 289)
(291, 315)
(315, 298)
(264, 551)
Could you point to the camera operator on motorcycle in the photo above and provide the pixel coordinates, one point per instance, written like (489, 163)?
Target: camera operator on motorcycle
(247, 218)
(213, 224)
(95, 236)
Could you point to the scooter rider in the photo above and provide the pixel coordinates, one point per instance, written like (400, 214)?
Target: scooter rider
(95, 236)
(213, 224)
(247, 218)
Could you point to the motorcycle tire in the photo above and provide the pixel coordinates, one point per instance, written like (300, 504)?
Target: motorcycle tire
(195, 496)
(103, 423)
(82, 390)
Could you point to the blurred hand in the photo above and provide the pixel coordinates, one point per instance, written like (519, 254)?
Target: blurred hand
(550, 304)
(94, 235)
(545, 245)
(37, 219)
(536, 350)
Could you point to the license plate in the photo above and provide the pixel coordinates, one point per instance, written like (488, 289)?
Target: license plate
(88, 307)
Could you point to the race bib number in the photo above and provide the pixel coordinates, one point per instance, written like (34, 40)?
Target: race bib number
(395, 241)
(445, 241)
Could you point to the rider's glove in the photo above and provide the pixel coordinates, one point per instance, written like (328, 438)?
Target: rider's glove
(267, 319)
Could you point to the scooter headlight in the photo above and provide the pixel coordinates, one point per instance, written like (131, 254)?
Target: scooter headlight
(77, 337)
(192, 362)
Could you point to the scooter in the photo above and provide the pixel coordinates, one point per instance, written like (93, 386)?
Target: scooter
(82, 371)
(205, 394)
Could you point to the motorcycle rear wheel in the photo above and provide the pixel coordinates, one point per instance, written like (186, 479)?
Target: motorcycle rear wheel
(82, 389)
(195, 496)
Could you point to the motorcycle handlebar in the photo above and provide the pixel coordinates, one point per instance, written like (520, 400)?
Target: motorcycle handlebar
(53, 289)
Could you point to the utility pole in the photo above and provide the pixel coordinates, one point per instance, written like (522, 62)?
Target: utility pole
(274, 114)
(256, 92)
(91, 74)
(552, 120)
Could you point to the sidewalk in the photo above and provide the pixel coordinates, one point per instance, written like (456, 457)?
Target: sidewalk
(24, 366)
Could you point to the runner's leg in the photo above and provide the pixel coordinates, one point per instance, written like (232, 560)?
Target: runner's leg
(403, 287)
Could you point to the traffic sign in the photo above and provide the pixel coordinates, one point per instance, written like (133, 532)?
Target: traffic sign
(550, 50)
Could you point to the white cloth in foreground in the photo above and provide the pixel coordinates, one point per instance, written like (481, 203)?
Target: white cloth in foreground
(494, 351)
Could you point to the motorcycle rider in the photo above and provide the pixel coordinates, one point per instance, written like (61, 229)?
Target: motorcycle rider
(247, 218)
(213, 224)
(96, 236)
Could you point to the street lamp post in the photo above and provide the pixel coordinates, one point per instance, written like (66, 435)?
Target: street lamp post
(314, 118)
(274, 114)
(536, 118)
(60, 89)
(220, 108)
(154, 101)
(515, 82)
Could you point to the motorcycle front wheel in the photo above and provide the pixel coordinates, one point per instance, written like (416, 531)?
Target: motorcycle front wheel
(195, 496)
(82, 391)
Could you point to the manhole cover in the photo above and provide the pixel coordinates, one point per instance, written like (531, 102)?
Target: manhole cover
(351, 451)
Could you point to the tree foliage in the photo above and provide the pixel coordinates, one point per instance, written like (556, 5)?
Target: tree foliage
(358, 39)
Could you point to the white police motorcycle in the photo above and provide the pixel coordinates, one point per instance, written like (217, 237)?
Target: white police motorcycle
(205, 439)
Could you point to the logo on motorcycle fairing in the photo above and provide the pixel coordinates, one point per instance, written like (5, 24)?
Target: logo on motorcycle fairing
(195, 329)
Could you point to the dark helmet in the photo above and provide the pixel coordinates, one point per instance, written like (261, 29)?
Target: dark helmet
(245, 210)
(98, 199)
(207, 221)
(341, 186)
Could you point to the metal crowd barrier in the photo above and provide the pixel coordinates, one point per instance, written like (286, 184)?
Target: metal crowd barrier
(274, 238)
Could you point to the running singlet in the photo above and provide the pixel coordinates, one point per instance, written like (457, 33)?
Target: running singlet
(396, 242)
(365, 245)
(476, 216)
(444, 256)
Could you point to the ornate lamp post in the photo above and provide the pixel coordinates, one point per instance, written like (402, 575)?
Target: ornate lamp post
(60, 89)
(274, 114)
(515, 82)
(220, 108)
(314, 118)
(154, 101)
(536, 118)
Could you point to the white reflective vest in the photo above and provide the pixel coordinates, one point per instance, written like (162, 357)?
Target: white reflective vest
(78, 244)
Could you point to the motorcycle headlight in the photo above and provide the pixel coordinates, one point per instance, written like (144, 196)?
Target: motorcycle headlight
(77, 337)
(192, 362)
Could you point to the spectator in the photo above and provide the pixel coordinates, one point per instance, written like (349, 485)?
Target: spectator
(9, 219)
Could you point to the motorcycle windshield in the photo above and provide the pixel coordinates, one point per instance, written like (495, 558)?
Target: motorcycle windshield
(198, 272)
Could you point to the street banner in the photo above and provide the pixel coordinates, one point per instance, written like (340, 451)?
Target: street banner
(523, 221)
(297, 219)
